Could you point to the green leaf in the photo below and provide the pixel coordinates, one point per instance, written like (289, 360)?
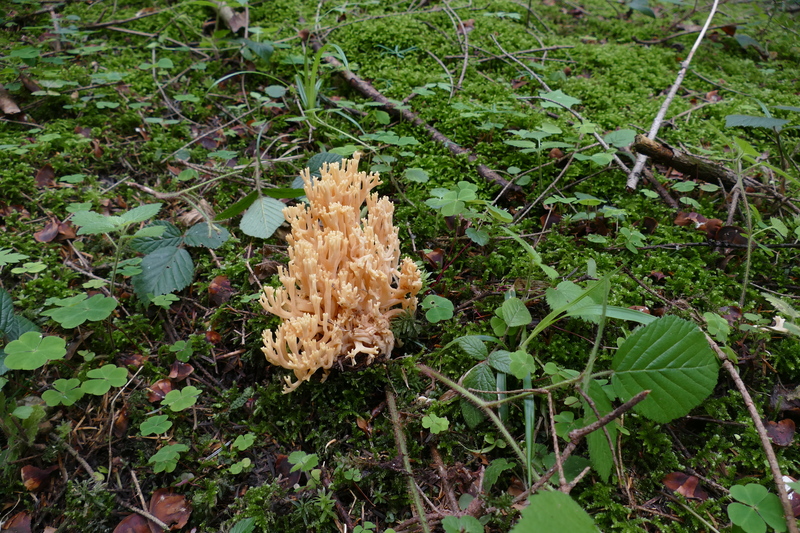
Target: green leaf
(554, 512)
(166, 459)
(170, 236)
(305, 462)
(248, 525)
(201, 235)
(317, 160)
(262, 218)
(756, 499)
(515, 313)
(438, 308)
(65, 391)
(155, 425)
(500, 360)
(479, 377)
(558, 96)
(243, 442)
(746, 121)
(642, 7)
(435, 423)
(32, 351)
(140, 214)
(478, 236)
(12, 325)
(166, 270)
(620, 138)
(462, 524)
(493, 471)
(92, 223)
(74, 311)
(178, 400)
(672, 359)
(103, 378)
(417, 175)
(7, 257)
(746, 518)
(473, 346)
(238, 207)
(592, 313)
(599, 451)
(521, 364)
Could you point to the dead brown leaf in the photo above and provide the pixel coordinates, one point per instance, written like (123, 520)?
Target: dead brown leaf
(45, 177)
(171, 508)
(685, 485)
(159, 389)
(35, 478)
(179, 371)
(781, 433)
(7, 104)
(133, 523)
(220, 290)
(19, 523)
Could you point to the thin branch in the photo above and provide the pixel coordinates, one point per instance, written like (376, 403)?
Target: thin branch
(633, 177)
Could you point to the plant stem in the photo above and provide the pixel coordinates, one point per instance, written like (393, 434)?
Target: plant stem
(401, 448)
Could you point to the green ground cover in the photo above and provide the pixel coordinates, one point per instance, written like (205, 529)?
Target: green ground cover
(131, 377)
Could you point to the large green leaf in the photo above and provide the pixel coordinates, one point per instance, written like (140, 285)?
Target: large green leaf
(170, 237)
(599, 451)
(263, 217)
(554, 511)
(12, 325)
(747, 121)
(201, 235)
(671, 358)
(479, 377)
(166, 270)
(317, 160)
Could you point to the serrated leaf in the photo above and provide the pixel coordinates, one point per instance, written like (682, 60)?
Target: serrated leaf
(746, 121)
(671, 358)
(238, 207)
(493, 471)
(473, 346)
(201, 235)
(92, 223)
(32, 351)
(515, 313)
(166, 270)
(170, 236)
(500, 360)
(554, 512)
(479, 377)
(140, 213)
(7, 257)
(262, 218)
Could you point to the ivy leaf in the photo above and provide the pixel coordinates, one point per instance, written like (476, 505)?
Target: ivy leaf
(32, 351)
(103, 378)
(74, 311)
(166, 270)
(65, 391)
(178, 400)
(155, 425)
(672, 359)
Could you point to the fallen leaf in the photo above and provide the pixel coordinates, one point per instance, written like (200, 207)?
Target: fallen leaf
(648, 225)
(121, 422)
(466, 27)
(133, 523)
(731, 313)
(435, 257)
(179, 371)
(685, 485)
(641, 308)
(283, 468)
(364, 426)
(19, 523)
(35, 478)
(49, 232)
(7, 104)
(731, 235)
(213, 337)
(794, 498)
(550, 219)
(159, 389)
(730, 29)
(171, 508)
(45, 177)
(29, 84)
(135, 360)
(220, 290)
(781, 433)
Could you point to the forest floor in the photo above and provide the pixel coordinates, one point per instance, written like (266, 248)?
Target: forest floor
(147, 151)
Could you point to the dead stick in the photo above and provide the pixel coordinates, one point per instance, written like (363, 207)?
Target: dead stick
(633, 177)
(772, 459)
(365, 88)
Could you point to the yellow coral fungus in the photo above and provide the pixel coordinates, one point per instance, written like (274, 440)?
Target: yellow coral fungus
(344, 282)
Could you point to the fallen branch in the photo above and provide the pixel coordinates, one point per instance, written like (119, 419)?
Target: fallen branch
(633, 177)
(366, 89)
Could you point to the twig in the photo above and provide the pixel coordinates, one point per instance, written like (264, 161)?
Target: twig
(633, 177)
(400, 439)
(369, 91)
(99, 25)
(772, 459)
(452, 501)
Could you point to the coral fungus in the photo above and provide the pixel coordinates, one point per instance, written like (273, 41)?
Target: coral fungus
(344, 282)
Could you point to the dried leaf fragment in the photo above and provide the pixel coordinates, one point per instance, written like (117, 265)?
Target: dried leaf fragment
(685, 485)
